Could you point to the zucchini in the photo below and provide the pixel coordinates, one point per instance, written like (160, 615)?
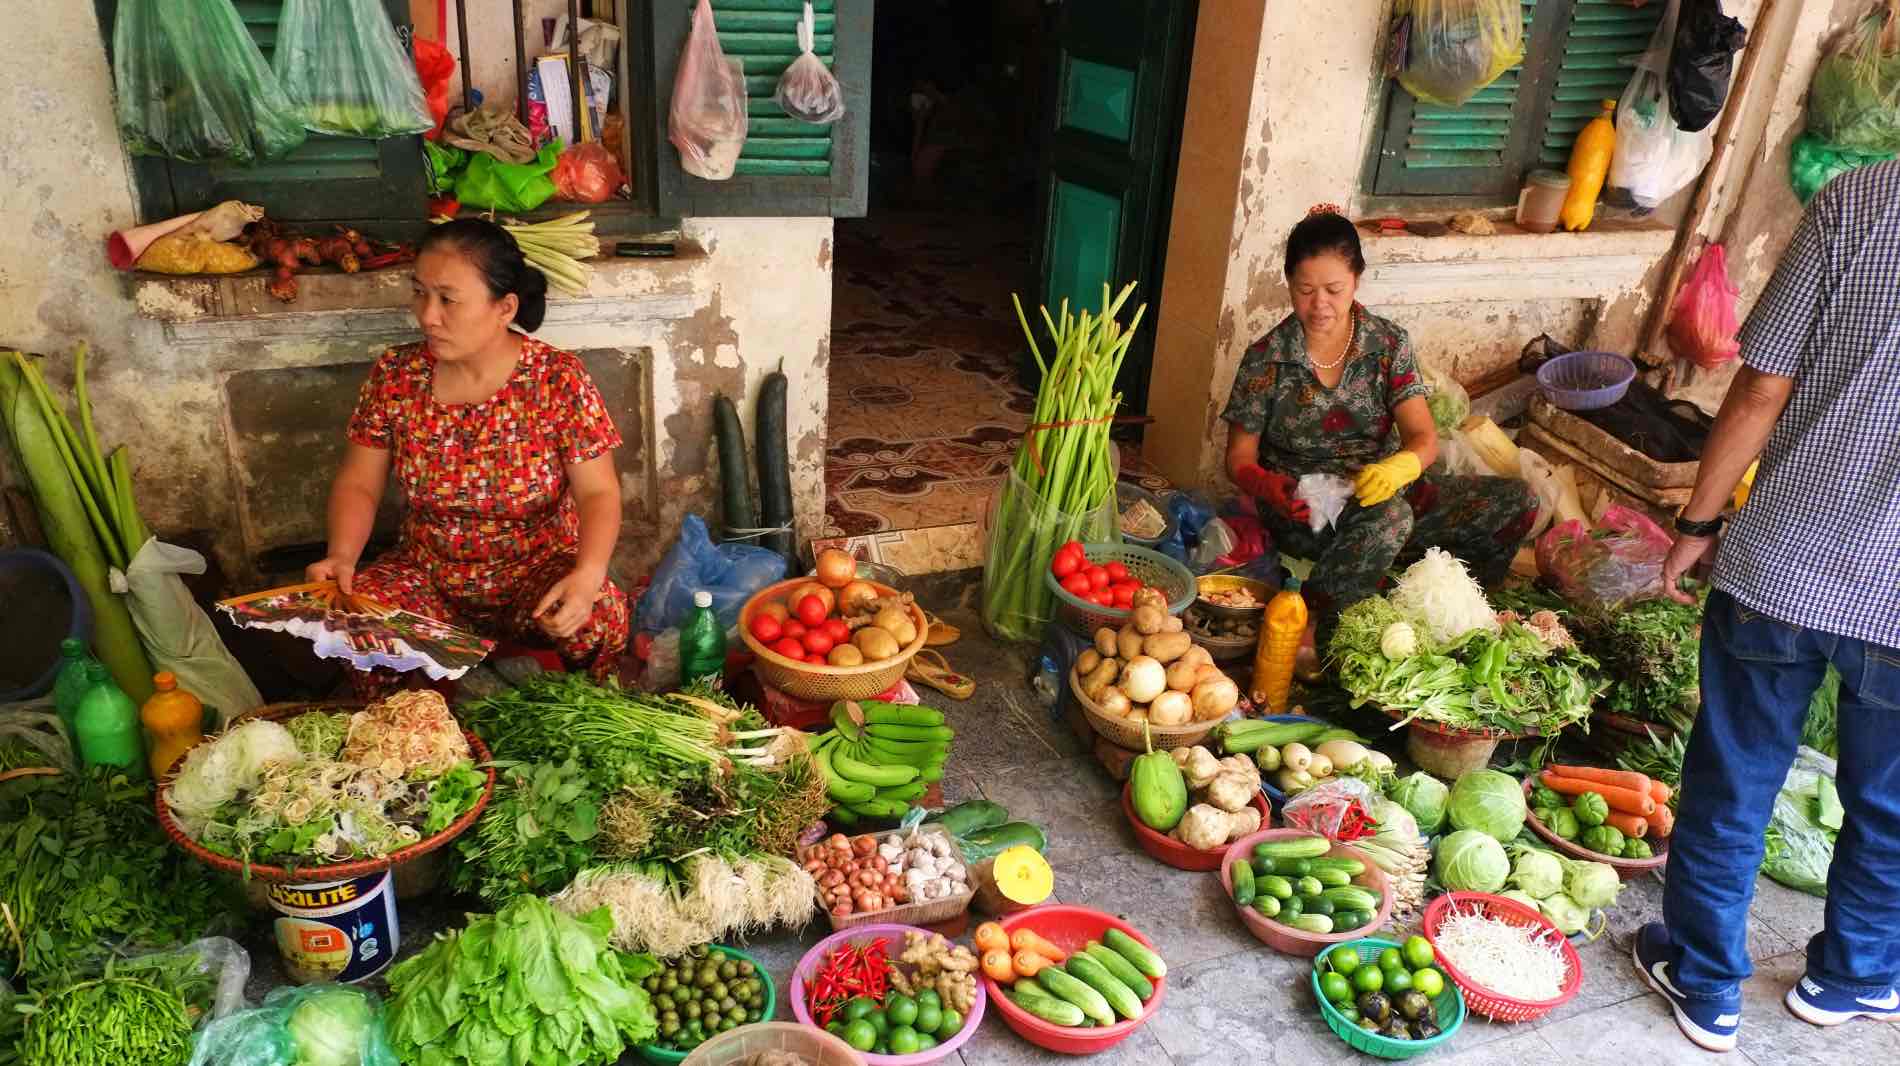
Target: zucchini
(1306, 847)
(775, 471)
(1047, 1007)
(1267, 906)
(967, 817)
(1150, 964)
(1352, 897)
(1068, 987)
(877, 712)
(1242, 875)
(1332, 877)
(1122, 969)
(1096, 976)
(989, 842)
(734, 470)
(1312, 923)
(1273, 885)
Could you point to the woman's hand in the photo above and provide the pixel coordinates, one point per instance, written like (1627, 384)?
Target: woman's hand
(1380, 481)
(333, 568)
(565, 607)
(1274, 489)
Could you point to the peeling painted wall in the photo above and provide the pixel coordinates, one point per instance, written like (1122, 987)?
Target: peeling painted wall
(759, 298)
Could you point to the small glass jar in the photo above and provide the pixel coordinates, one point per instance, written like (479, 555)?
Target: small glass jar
(1542, 200)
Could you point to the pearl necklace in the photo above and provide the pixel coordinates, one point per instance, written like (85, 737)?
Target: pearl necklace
(1351, 339)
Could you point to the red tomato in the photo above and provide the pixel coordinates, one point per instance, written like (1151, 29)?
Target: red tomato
(1073, 547)
(836, 629)
(1117, 572)
(811, 611)
(766, 628)
(1076, 585)
(1102, 598)
(818, 642)
(792, 628)
(1124, 596)
(1098, 578)
(1128, 583)
(1063, 564)
(791, 649)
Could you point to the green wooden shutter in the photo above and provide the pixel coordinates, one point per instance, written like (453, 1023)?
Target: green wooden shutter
(1472, 150)
(788, 167)
(1597, 58)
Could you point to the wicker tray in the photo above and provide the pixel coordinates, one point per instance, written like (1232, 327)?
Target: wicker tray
(1627, 869)
(333, 871)
(1126, 734)
(827, 683)
(927, 913)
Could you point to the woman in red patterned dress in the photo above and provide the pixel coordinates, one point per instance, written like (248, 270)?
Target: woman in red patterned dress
(503, 452)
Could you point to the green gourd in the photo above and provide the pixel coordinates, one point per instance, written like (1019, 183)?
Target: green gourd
(1156, 789)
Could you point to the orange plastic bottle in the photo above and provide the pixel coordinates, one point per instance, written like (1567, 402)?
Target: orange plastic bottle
(174, 723)
(1589, 166)
(1279, 645)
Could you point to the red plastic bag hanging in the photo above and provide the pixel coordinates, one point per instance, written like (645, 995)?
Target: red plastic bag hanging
(435, 67)
(587, 173)
(1704, 328)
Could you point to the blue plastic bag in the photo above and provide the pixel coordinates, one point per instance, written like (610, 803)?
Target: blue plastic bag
(731, 572)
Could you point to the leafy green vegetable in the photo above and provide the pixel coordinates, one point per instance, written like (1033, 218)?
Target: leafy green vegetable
(307, 1025)
(451, 794)
(138, 1010)
(1425, 798)
(526, 985)
(1470, 861)
(1603, 839)
(1821, 730)
(535, 835)
(1490, 802)
(331, 1026)
(1591, 810)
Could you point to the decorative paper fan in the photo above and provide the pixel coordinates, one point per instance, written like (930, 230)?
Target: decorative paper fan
(363, 632)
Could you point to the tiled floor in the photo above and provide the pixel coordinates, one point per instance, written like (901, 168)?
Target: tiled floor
(926, 406)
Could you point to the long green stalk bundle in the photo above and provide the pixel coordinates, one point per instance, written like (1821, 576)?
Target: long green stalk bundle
(1062, 483)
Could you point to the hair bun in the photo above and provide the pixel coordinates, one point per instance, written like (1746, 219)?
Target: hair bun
(1323, 209)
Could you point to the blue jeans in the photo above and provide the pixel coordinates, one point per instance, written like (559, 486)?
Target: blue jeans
(1758, 676)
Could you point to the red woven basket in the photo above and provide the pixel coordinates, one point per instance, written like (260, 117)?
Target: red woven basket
(341, 871)
(1497, 1007)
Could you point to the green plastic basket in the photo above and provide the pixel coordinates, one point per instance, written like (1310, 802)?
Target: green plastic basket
(665, 1056)
(1149, 567)
(1450, 1005)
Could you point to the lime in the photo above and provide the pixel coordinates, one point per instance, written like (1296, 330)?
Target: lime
(929, 995)
(1344, 960)
(903, 1040)
(859, 1007)
(1397, 981)
(1429, 981)
(952, 1025)
(1419, 953)
(1349, 1012)
(880, 1021)
(1390, 959)
(1336, 988)
(860, 1035)
(900, 1010)
(1368, 979)
(929, 1018)
(925, 1041)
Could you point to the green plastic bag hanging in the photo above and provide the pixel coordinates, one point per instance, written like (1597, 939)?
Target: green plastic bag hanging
(1854, 101)
(193, 85)
(1812, 163)
(489, 182)
(1453, 48)
(346, 72)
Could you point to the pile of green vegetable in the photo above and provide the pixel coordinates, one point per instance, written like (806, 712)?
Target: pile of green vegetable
(134, 1010)
(1583, 820)
(1392, 994)
(308, 1025)
(1294, 883)
(1566, 891)
(1807, 818)
(703, 993)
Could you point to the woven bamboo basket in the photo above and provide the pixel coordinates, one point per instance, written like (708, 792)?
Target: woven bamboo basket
(929, 912)
(827, 683)
(1126, 734)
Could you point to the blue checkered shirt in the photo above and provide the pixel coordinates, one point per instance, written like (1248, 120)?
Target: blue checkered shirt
(1818, 543)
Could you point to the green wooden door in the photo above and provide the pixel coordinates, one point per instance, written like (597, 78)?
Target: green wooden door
(1108, 177)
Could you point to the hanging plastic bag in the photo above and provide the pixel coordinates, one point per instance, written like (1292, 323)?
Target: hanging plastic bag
(489, 182)
(1703, 328)
(1619, 562)
(1800, 847)
(193, 85)
(178, 634)
(1701, 63)
(435, 69)
(587, 174)
(1454, 48)
(1654, 159)
(328, 1024)
(1854, 101)
(346, 72)
(731, 572)
(1448, 400)
(1812, 163)
(1020, 517)
(707, 120)
(807, 91)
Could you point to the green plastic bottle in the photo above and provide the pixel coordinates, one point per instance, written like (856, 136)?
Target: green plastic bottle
(107, 726)
(702, 642)
(70, 686)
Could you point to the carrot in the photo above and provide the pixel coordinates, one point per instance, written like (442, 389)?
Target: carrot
(991, 937)
(998, 967)
(1629, 779)
(1029, 940)
(1619, 799)
(1029, 963)
(1659, 792)
(1663, 822)
(1629, 825)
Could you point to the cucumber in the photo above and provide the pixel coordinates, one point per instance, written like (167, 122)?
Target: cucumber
(735, 485)
(877, 712)
(775, 471)
(993, 841)
(1067, 986)
(1338, 862)
(1150, 964)
(1293, 867)
(1048, 1008)
(1291, 908)
(1266, 906)
(1273, 885)
(1317, 905)
(1243, 883)
(880, 775)
(1120, 967)
(837, 787)
(1352, 897)
(932, 734)
(1307, 847)
(1329, 877)
(1308, 886)
(1311, 923)
(969, 816)
(1096, 976)
(1346, 921)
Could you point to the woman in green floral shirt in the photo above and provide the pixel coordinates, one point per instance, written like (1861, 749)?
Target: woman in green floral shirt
(1321, 394)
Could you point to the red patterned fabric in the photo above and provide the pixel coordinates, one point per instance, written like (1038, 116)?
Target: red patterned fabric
(487, 524)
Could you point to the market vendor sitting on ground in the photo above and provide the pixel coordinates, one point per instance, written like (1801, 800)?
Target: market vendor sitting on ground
(502, 450)
(1321, 394)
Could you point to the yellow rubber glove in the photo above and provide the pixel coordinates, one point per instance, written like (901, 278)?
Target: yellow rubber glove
(1380, 481)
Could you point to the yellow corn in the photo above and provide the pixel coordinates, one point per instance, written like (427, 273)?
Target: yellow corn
(1279, 645)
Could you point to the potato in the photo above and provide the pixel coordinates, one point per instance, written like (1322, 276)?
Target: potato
(898, 623)
(1214, 698)
(1181, 675)
(1171, 708)
(1104, 641)
(1197, 655)
(1088, 661)
(845, 655)
(1098, 680)
(1172, 624)
(1148, 594)
(1203, 671)
(876, 643)
(1148, 619)
(1128, 642)
(1166, 647)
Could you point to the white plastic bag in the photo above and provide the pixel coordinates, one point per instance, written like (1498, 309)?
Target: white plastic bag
(707, 120)
(1538, 474)
(807, 91)
(1325, 496)
(178, 633)
(1653, 159)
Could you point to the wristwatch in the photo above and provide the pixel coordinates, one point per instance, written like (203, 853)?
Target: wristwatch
(1690, 528)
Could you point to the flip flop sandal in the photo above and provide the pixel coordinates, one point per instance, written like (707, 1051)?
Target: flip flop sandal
(930, 668)
(941, 632)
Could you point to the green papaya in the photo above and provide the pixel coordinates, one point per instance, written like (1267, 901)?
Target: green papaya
(1157, 790)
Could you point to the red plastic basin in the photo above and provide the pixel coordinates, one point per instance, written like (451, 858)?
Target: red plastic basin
(1176, 854)
(1070, 928)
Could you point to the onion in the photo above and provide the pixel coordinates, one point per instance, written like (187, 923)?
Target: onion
(835, 569)
(855, 596)
(864, 845)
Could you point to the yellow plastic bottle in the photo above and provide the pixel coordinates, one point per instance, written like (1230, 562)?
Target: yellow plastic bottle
(174, 723)
(1589, 166)
(1278, 646)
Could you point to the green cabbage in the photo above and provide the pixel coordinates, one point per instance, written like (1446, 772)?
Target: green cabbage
(1538, 872)
(1470, 861)
(1593, 884)
(1490, 802)
(331, 1027)
(1425, 797)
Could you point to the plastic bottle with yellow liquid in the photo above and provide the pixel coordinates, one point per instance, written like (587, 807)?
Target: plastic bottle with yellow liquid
(174, 723)
(1278, 647)
(1589, 167)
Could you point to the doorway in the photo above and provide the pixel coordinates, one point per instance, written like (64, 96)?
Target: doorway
(1018, 148)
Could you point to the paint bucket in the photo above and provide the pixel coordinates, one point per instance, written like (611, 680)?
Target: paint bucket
(336, 930)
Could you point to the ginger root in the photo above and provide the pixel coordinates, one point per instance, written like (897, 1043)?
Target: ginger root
(1207, 827)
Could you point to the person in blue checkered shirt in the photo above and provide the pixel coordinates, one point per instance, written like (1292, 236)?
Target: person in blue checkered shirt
(1807, 574)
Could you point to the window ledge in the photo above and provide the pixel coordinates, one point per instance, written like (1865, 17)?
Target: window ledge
(1513, 264)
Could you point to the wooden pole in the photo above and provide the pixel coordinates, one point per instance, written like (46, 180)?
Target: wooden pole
(575, 64)
(1700, 208)
(521, 66)
(461, 36)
